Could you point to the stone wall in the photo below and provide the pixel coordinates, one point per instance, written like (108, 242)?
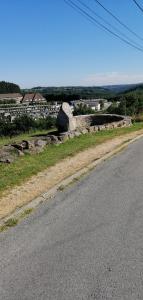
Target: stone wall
(69, 127)
(83, 121)
(66, 122)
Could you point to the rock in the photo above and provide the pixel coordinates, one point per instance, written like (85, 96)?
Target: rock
(71, 135)
(88, 129)
(84, 131)
(7, 160)
(8, 154)
(63, 137)
(28, 145)
(47, 139)
(95, 128)
(119, 124)
(77, 133)
(18, 146)
(91, 129)
(20, 153)
(101, 127)
(65, 119)
(54, 139)
(109, 126)
(25, 145)
(40, 143)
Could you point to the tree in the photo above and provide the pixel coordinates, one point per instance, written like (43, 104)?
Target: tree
(82, 109)
(8, 87)
(24, 123)
(101, 104)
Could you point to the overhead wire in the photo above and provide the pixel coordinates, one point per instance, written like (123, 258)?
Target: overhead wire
(138, 5)
(118, 20)
(109, 24)
(96, 22)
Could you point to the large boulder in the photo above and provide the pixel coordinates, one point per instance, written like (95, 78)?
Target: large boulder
(65, 119)
(9, 154)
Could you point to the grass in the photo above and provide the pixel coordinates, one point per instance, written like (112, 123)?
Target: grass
(29, 165)
(12, 222)
(61, 188)
(9, 223)
(24, 136)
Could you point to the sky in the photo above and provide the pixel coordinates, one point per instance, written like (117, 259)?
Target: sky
(48, 43)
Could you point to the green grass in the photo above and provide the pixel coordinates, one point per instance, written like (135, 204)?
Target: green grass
(29, 165)
(9, 223)
(24, 136)
(61, 188)
(12, 222)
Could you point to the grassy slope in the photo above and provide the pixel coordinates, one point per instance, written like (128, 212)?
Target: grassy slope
(25, 167)
(24, 136)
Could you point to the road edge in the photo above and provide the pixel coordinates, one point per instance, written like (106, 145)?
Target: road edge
(66, 182)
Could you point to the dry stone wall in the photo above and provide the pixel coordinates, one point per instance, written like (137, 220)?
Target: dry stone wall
(66, 122)
(69, 127)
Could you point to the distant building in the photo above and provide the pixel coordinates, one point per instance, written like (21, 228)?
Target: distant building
(11, 96)
(33, 98)
(94, 104)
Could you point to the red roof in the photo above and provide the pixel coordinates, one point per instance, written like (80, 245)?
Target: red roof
(33, 97)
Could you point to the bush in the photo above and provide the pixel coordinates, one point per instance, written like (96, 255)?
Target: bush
(82, 109)
(48, 123)
(24, 124)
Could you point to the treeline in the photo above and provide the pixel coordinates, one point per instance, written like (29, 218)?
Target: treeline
(72, 91)
(8, 87)
(127, 105)
(24, 124)
(61, 97)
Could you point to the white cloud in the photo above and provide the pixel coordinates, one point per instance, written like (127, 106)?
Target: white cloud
(112, 78)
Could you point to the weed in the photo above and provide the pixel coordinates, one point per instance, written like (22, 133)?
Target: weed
(61, 188)
(9, 223)
(26, 213)
(13, 222)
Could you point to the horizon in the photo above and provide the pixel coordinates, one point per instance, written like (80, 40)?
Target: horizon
(68, 86)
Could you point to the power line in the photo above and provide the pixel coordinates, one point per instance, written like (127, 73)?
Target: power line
(109, 24)
(138, 5)
(118, 20)
(93, 20)
(77, 10)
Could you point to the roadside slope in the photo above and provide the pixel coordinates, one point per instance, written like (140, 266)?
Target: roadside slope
(45, 180)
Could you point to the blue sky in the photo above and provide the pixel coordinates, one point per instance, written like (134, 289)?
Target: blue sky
(47, 43)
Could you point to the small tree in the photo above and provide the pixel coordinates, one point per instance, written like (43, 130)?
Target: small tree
(24, 123)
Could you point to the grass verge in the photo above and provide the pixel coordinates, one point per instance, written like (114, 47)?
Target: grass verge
(29, 165)
(24, 136)
(12, 222)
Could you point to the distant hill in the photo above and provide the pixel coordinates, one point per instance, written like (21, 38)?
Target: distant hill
(87, 92)
(77, 91)
(137, 90)
(121, 87)
(8, 87)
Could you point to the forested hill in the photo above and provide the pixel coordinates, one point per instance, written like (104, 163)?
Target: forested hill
(136, 91)
(8, 87)
(85, 92)
(73, 92)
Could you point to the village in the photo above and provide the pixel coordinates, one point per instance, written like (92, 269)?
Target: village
(35, 105)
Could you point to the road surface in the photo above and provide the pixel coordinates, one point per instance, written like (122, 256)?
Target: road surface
(86, 243)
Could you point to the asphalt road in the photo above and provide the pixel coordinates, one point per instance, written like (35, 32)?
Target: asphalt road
(86, 243)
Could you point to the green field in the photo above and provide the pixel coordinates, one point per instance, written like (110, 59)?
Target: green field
(28, 165)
